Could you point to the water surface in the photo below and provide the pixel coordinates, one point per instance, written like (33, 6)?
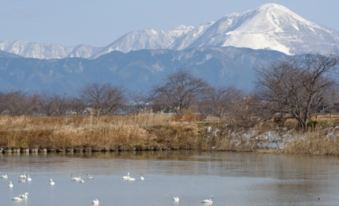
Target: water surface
(237, 179)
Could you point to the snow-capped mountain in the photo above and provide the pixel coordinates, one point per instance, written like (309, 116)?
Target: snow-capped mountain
(35, 50)
(46, 51)
(83, 51)
(271, 26)
(137, 40)
(179, 38)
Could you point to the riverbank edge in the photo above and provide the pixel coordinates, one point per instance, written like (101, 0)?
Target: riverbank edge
(154, 132)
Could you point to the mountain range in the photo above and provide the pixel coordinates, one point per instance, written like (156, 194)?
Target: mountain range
(226, 52)
(136, 71)
(271, 27)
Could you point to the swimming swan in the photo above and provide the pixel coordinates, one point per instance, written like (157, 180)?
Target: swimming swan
(29, 179)
(128, 178)
(176, 199)
(5, 176)
(95, 202)
(21, 197)
(208, 202)
(10, 184)
(51, 182)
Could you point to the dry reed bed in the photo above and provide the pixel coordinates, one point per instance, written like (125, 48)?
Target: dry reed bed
(147, 131)
(315, 143)
(133, 132)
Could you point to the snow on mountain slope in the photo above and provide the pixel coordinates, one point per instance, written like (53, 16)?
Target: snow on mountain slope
(180, 31)
(179, 38)
(186, 39)
(274, 27)
(83, 51)
(271, 26)
(137, 40)
(46, 51)
(35, 50)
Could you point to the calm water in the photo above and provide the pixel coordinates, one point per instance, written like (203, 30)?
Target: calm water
(237, 179)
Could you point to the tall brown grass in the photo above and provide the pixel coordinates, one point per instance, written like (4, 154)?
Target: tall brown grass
(72, 131)
(315, 143)
(145, 130)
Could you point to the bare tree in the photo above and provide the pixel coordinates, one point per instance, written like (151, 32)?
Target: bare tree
(18, 103)
(180, 91)
(232, 106)
(76, 105)
(12, 103)
(104, 98)
(138, 102)
(296, 88)
(221, 102)
(53, 105)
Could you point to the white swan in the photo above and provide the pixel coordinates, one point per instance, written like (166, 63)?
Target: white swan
(51, 182)
(23, 176)
(78, 179)
(17, 199)
(131, 179)
(176, 199)
(126, 177)
(21, 197)
(10, 184)
(24, 196)
(29, 179)
(95, 202)
(5, 176)
(142, 178)
(207, 202)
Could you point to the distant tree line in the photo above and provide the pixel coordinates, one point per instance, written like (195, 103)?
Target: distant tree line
(295, 88)
(99, 99)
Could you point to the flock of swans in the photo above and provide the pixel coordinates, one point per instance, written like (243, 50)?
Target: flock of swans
(22, 179)
(176, 199)
(25, 178)
(205, 202)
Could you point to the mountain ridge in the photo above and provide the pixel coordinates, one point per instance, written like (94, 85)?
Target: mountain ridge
(136, 71)
(270, 26)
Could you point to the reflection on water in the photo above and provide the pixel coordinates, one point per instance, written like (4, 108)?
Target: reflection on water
(231, 178)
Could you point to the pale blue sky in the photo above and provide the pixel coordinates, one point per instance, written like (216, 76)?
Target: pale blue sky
(99, 22)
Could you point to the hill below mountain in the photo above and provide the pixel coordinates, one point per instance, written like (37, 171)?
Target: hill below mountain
(136, 71)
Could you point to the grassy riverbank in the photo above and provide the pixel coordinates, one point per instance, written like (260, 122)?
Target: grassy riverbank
(323, 140)
(163, 132)
(134, 132)
(315, 143)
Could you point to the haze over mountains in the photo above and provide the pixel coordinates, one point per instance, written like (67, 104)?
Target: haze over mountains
(224, 53)
(135, 71)
(271, 26)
